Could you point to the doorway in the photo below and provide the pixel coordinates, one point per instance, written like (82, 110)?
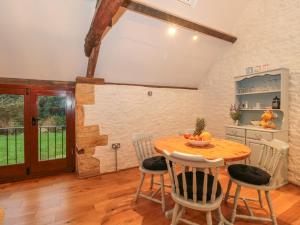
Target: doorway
(36, 131)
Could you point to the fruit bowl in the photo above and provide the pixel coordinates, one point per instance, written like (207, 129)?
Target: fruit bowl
(198, 140)
(198, 143)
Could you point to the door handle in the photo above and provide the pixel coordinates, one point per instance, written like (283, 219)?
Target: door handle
(34, 121)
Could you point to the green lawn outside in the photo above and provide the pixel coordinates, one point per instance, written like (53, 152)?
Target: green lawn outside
(15, 150)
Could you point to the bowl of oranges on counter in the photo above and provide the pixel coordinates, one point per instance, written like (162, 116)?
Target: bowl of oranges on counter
(201, 140)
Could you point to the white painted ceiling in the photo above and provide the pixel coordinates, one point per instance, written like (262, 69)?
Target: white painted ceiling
(44, 40)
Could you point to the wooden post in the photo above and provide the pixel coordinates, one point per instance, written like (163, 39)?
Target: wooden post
(93, 59)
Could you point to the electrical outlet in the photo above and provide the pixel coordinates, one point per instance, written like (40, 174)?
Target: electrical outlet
(115, 146)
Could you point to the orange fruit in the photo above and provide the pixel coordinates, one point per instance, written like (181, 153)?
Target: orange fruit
(187, 136)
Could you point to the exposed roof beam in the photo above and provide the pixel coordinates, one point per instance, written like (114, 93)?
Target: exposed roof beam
(158, 14)
(105, 11)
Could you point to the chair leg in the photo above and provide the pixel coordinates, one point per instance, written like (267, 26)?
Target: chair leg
(236, 198)
(181, 211)
(228, 190)
(175, 212)
(269, 200)
(260, 199)
(140, 187)
(151, 182)
(208, 218)
(220, 216)
(163, 202)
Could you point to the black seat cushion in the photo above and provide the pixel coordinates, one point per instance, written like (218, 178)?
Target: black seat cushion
(155, 163)
(249, 174)
(199, 178)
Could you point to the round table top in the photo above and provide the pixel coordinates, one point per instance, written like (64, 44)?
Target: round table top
(218, 148)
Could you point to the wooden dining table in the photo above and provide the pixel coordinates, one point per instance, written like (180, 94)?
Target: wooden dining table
(230, 151)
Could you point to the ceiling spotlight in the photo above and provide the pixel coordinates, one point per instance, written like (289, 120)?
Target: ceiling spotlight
(172, 31)
(195, 38)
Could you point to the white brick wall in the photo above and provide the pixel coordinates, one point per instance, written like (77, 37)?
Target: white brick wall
(268, 33)
(123, 110)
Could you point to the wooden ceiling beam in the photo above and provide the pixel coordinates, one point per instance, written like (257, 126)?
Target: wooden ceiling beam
(87, 80)
(158, 14)
(105, 11)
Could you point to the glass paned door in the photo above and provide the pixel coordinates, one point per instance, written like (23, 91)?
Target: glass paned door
(36, 131)
(51, 125)
(11, 129)
(14, 129)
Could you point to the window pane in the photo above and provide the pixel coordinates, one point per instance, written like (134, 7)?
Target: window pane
(52, 127)
(11, 129)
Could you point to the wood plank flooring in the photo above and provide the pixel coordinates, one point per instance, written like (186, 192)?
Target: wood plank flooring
(108, 200)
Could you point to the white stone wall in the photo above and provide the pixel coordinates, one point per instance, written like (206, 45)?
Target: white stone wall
(268, 33)
(123, 110)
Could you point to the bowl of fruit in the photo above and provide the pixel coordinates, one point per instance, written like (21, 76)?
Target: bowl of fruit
(201, 140)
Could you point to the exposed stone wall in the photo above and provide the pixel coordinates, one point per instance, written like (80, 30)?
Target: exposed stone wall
(121, 111)
(268, 33)
(87, 137)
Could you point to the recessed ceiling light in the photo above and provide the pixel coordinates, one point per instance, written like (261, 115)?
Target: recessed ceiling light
(172, 31)
(195, 38)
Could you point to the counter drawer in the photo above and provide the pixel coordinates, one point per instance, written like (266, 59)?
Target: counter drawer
(258, 135)
(235, 132)
(236, 139)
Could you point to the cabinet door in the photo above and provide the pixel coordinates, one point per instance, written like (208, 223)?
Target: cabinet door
(256, 149)
(258, 135)
(236, 139)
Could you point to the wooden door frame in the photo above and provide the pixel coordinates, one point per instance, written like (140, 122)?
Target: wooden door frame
(37, 167)
(17, 171)
(8, 84)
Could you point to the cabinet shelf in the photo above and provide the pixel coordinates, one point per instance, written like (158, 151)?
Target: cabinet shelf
(260, 109)
(258, 92)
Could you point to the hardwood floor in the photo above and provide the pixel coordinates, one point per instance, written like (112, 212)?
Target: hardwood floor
(109, 201)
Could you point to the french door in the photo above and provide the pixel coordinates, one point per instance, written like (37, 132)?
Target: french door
(14, 130)
(51, 131)
(36, 132)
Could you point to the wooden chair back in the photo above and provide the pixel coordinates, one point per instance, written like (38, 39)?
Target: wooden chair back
(271, 155)
(143, 144)
(178, 162)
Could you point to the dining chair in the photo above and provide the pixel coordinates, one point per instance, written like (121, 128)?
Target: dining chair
(152, 165)
(192, 188)
(261, 177)
(186, 131)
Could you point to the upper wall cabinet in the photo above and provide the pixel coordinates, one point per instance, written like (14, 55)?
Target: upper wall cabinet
(258, 92)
